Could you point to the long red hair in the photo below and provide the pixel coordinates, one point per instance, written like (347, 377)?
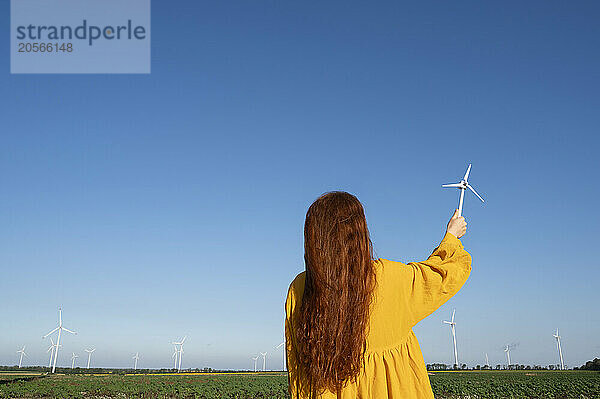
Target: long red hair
(339, 281)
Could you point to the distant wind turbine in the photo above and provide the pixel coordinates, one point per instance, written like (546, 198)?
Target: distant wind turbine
(283, 362)
(507, 350)
(180, 351)
(22, 352)
(174, 355)
(264, 355)
(557, 336)
(51, 350)
(60, 328)
(89, 352)
(73, 360)
(487, 361)
(452, 326)
(255, 359)
(136, 357)
(463, 185)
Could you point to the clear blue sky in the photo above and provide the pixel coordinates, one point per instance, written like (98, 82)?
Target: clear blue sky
(150, 207)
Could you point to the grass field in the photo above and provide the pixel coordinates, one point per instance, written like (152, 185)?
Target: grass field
(447, 385)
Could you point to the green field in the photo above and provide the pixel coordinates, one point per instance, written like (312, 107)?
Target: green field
(469, 384)
(516, 384)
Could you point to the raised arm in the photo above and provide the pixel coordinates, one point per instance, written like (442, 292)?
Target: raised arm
(442, 275)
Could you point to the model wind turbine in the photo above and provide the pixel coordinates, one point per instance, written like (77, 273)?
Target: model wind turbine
(264, 355)
(507, 350)
(557, 336)
(89, 352)
(180, 351)
(283, 362)
(60, 328)
(22, 352)
(255, 359)
(453, 326)
(73, 360)
(136, 358)
(463, 185)
(487, 361)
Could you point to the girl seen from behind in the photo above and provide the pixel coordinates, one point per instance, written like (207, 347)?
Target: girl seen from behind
(349, 317)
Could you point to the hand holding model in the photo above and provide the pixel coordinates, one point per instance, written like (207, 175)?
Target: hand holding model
(457, 225)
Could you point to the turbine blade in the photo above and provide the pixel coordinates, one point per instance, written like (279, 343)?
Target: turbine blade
(451, 185)
(50, 333)
(453, 312)
(69, 331)
(475, 192)
(467, 174)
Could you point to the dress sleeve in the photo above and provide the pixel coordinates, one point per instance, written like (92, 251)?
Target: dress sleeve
(437, 279)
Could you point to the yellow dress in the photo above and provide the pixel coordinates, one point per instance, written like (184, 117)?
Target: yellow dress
(405, 294)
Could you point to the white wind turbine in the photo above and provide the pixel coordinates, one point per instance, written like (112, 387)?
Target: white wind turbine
(264, 355)
(463, 185)
(507, 350)
(73, 360)
(487, 361)
(283, 362)
(22, 352)
(557, 336)
(51, 350)
(89, 352)
(174, 355)
(255, 359)
(180, 351)
(60, 328)
(136, 357)
(452, 324)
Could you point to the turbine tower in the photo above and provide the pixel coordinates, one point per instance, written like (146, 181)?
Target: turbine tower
(89, 352)
(463, 185)
(487, 361)
(180, 351)
(557, 336)
(283, 361)
(255, 359)
(73, 360)
(507, 350)
(264, 355)
(136, 358)
(22, 352)
(453, 327)
(60, 328)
